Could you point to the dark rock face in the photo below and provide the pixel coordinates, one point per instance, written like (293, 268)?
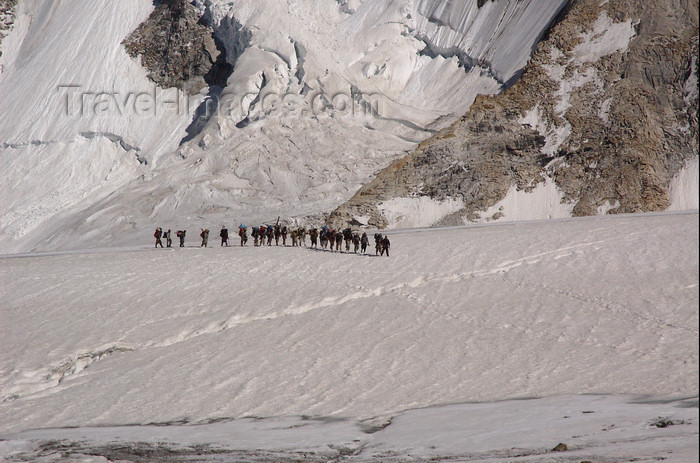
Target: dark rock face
(178, 50)
(481, 3)
(610, 120)
(7, 18)
(560, 448)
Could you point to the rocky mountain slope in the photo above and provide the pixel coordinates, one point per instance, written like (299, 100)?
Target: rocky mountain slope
(603, 118)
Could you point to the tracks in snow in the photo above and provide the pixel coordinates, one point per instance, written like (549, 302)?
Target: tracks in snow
(30, 383)
(363, 292)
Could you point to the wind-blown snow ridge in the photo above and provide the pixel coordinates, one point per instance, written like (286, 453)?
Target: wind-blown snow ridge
(39, 381)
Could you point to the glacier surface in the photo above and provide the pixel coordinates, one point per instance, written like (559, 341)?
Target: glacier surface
(557, 309)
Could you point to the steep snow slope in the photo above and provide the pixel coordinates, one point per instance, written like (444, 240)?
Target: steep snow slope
(492, 34)
(291, 134)
(78, 114)
(575, 306)
(684, 187)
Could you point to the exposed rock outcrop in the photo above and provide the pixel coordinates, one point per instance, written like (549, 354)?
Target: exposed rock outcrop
(7, 18)
(607, 107)
(178, 50)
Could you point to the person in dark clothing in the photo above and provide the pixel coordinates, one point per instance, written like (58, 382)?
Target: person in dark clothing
(169, 238)
(347, 236)
(205, 237)
(270, 235)
(330, 236)
(323, 238)
(224, 236)
(158, 234)
(364, 241)
(338, 241)
(181, 235)
(255, 232)
(356, 242)
(386, 244)
(243, 233)
(284, 235)
(377, 243)
(261, 235)
(313, 235)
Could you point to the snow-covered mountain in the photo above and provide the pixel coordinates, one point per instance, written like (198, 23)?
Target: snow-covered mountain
(603, 120)
(207, 112)
(322, 95)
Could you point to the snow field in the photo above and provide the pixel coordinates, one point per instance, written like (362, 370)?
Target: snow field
(481, 313)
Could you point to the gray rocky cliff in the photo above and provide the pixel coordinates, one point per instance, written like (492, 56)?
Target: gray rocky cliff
(607, 107)
(178, 49)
